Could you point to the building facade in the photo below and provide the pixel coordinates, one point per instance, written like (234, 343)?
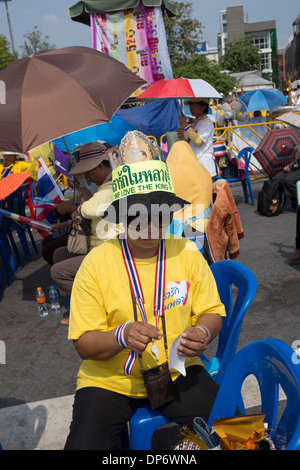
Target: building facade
(292, 53)
(233, 26)
(211, 53)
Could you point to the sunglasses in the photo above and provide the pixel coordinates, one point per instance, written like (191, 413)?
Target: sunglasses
(157, 220)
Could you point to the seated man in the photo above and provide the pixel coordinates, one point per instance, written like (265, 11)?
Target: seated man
(93, 163)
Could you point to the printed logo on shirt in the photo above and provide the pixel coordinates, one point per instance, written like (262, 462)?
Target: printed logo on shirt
(177, 293)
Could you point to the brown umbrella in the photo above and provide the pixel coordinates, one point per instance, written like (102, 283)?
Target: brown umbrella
(57, 92)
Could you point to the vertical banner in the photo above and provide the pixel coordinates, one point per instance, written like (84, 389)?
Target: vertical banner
(136, 37)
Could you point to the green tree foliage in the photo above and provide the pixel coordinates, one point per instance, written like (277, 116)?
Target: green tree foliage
(241, 55)
(183, 34)
(200, 67)
(5, 55)
(35, 42)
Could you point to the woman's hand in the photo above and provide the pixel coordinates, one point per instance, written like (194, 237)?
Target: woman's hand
(65, 207)
(75, 216)
(180, 133)
(138, 335)
(58, 226)
(193, 342)
(182, 121)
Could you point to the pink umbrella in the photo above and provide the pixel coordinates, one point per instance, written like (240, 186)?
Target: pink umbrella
(180, 88)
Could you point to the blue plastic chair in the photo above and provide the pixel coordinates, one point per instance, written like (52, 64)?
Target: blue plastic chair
(6, 254)
(145, 420)
(246, 182)
(23, 193)
(1, 257)
(273, 363)
(230, 276)
(19, 196)
(142, 425)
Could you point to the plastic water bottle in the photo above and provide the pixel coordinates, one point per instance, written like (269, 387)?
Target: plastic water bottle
(53, 296)
(41, 301)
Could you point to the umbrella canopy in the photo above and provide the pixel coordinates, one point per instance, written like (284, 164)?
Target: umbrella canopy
(82, 9)
(277, 149)
(60, 91)
(292, 119)
(111, 132)
(180, 88)
(258, 100)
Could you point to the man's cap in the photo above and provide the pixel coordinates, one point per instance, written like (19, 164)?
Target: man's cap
(90, 156)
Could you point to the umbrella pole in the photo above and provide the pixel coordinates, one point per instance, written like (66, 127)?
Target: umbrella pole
(181, 104)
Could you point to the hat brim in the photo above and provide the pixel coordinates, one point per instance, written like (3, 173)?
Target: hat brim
(196, 100)
(83, 166)
(143, 203)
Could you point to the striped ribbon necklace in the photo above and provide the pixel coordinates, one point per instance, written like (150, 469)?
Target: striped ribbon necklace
(137, 292)
(7, 170)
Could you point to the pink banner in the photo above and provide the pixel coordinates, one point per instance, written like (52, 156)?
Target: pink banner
(137, 38)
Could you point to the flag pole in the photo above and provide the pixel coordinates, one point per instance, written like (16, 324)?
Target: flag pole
(26, 220)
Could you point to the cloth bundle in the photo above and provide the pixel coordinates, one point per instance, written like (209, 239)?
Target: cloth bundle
(237, 433)
(224, 229)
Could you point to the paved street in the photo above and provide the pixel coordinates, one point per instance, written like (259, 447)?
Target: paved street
(39, 376)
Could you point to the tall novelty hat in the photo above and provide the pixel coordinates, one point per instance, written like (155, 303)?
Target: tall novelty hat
(142, 179)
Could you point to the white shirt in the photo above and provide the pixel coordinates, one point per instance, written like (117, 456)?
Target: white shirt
(205, 152)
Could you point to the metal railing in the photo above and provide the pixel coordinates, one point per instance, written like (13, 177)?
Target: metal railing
(226, 134)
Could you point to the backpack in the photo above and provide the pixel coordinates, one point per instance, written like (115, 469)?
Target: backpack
(268, 198)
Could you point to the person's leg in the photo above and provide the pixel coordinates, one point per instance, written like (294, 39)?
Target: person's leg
(99, 417)
(49, 245)
(281, 177)
(61, 254)
(196, 395)
(64, 272)
(296, 258)
(290, 183)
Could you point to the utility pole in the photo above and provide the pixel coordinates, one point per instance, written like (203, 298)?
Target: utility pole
(9, 26)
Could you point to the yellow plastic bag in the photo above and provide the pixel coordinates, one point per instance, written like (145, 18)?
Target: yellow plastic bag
(240, 433)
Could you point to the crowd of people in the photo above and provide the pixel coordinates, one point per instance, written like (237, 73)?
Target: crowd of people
(138, 288)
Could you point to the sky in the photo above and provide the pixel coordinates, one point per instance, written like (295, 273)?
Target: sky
(51, 17)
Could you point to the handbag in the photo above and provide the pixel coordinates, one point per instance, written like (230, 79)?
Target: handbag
(78, 240)
(158, 381)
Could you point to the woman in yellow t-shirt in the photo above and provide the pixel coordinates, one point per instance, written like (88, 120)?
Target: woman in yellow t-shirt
(12, 165)
(132, 297)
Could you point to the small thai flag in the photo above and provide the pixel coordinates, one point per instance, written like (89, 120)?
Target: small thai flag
(46, 188)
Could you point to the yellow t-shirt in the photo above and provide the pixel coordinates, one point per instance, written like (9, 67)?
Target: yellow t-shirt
(101, 300)
(20, 167)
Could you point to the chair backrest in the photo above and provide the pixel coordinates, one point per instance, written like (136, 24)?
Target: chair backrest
(246, 152)
(231, 276)
(273, 363)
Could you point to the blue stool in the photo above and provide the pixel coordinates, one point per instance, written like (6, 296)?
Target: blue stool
(142, 426)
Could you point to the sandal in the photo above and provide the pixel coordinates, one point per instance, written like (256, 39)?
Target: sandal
(65, 321)
(273, 206)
